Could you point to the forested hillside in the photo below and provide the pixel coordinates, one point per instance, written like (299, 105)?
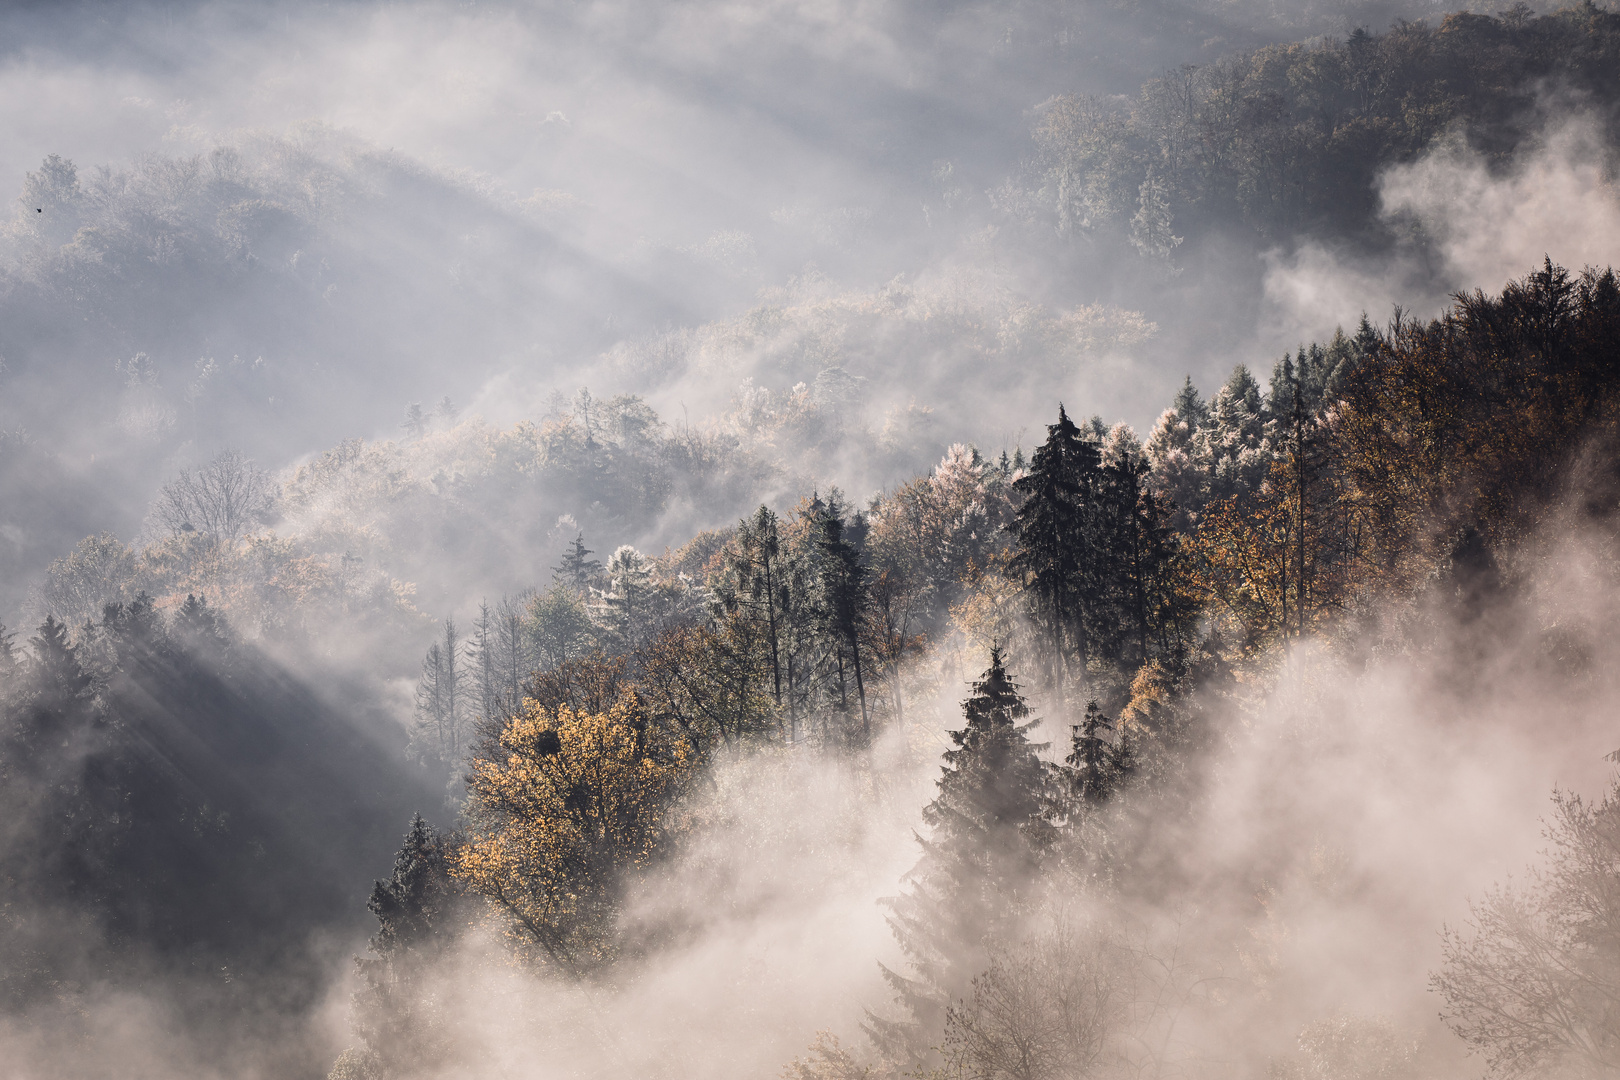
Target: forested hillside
(181, 807)
(823, 617)
(1370, 498)
(1125, 591)
(1292, 138)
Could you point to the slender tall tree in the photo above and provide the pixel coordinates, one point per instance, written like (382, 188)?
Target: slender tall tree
(986, 839)
(844, 600)
(757, 566)
(396, 1013)
(1054, 546)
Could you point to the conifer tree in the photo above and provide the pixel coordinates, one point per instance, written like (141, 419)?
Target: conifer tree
(55, 740)
(757, 566)
(628, 606)
(844, 600)
(395, 1013)
(416, 421)
(1054, 548)
(1177, 477)
(199, 626)
(977, 872)
(1151, 227)
(441, 701)
(577, 570)
(1097, 764)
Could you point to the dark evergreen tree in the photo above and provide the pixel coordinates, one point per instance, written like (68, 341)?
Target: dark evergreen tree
(1097, 763)
(52, 756)
(397, 1011)
(577, 570)
(844, 599)
(200, 626)
(761, 581)
(1132, 548)
(1055, 548)
(977, 873)
(416, 421)
(1189, 406)
(59, 680)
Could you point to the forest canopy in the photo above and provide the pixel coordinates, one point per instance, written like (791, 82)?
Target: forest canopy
(471, 620)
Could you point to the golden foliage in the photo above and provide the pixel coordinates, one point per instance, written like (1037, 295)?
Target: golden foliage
(564, 806)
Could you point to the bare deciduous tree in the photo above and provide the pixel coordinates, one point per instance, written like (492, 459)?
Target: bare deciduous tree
(225, 499)
(1532, 982)
(1044, 1010)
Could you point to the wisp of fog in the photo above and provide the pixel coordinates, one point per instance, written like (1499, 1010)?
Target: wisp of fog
(833, 540)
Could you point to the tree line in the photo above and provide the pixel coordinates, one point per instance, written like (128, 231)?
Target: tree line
(1122, 581)
(178, 807)
(1288, 139)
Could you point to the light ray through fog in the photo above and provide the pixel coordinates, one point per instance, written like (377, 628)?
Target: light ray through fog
(769, 305)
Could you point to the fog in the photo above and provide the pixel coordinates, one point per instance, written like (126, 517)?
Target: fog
(1555, 201)
(447, 286)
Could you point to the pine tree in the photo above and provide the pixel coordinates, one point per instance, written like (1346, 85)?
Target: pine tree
(757, 567)
(8, 655)
(50, 754)
(395, 1013)
(1097, 764)
(844, 599)
(416, 421)
(441, 702)
(199, 626)
(1133, 552)
(1177, 478)
(578, 570)
(628, 606)
(1054, 548)
(979, 863)
(799, 634)
(59, 679)
(485, 654)
(1233, 448)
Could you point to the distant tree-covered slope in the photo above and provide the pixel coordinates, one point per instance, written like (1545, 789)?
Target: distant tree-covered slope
(1289, 139)
(259, 290)
(178, 804)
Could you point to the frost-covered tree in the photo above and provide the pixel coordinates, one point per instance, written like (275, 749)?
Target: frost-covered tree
(1178, 474)
(1233, 449)
(225, 499)
(1151, 233)
(1532, 981)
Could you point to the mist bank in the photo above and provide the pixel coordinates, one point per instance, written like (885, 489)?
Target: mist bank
(607, 443)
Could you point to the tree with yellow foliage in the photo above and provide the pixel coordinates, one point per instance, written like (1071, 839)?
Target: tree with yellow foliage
(564, 806)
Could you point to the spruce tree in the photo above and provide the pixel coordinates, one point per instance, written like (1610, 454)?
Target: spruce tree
(577, 569)
(416, 421)
(1054, 548)
(979, 864)
(757, 567)
(396, 1012)
(844, 598)
(50, 752)
(1097, 764)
